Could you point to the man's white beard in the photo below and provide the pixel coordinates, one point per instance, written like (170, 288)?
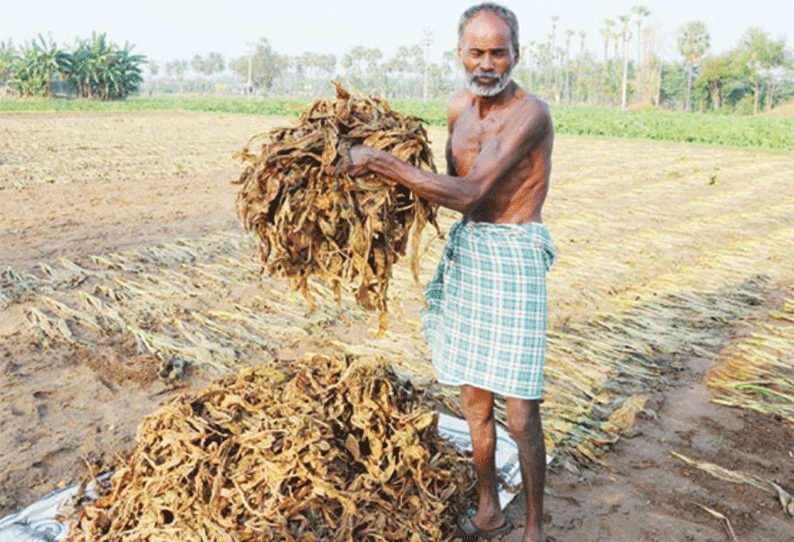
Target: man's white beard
(482, 90)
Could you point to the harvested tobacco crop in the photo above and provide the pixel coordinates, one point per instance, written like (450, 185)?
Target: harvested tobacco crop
(333, 448)
(314, 220)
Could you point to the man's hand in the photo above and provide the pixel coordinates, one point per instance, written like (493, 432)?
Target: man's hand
(359, 160)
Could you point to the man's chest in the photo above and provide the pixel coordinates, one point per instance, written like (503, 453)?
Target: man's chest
(469, 136)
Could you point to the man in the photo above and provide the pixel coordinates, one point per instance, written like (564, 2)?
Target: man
(486, 325)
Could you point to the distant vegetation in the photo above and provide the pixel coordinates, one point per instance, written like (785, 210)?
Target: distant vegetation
(220, 104)
(630, 69)
(94, 68)
(730, 130)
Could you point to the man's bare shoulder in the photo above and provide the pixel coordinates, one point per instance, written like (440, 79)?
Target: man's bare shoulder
(457, 104)
(532, 111)
(530, 103)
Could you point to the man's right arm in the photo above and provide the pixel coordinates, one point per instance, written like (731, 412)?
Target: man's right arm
(450, 158)
(531, 124)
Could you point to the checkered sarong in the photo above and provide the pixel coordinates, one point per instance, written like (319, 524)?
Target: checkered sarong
(486, 321)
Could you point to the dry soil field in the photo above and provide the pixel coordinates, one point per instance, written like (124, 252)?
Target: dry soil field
(126, 279)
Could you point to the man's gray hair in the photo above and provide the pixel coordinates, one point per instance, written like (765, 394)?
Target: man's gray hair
(500, 11)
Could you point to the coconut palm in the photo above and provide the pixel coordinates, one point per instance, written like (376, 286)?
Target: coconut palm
(554, 88)
(693, 42)
(580, 63)
(626, 36)
(639, 13)
(567, 90)
(606, 35)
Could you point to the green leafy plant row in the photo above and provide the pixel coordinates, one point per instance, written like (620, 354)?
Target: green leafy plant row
(256, 106)
(705, 129)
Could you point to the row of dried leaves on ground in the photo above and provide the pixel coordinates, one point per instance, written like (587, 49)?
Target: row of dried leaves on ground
(314, 220)
(329, 448)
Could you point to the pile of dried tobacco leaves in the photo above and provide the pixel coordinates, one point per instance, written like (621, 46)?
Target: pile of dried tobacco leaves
(333, 448)
(315, 220)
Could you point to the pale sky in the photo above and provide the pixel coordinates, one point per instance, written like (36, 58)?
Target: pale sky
(166, 30)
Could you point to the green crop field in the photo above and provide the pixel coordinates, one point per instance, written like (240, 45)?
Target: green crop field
(733, 131)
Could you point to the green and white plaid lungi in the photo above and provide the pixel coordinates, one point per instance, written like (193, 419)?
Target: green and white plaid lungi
(486, 321)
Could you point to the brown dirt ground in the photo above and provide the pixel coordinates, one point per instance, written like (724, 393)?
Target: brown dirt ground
(76, 185)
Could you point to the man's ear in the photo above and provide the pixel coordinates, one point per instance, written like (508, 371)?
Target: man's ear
(459, 52)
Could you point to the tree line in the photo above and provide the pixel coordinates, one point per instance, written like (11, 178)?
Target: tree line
(757, 71)
(630, 71)
(93, 68)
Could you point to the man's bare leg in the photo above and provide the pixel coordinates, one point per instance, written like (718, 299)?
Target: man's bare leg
(477, 405)
(523, 421)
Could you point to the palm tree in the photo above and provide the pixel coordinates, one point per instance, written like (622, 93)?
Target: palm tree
(568, 35)
(606, 35)
(427, 41)
(615, 43)
(639, 12)
(554, 20)
(693, 42)
(626, 35)
(580, 63)
(552, 67)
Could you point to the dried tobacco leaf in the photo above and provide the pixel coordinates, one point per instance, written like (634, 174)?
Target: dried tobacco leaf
(331, 448)
(315, 220)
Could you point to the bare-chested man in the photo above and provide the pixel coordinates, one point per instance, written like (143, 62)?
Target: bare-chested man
(486, 325)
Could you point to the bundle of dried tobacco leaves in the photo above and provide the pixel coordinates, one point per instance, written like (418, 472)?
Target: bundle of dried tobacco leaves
(315, 220)
(333, 448)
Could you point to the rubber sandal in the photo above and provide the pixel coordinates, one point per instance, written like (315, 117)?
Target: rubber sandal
(469, 531)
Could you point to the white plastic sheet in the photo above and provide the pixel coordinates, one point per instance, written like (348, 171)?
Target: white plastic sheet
(37, 522)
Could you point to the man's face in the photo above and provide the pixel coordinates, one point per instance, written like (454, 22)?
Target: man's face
(486, 53)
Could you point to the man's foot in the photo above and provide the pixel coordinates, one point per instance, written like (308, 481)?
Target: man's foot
(470, 532)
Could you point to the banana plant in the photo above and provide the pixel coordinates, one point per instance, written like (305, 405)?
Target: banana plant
(39, 63)
(103, 71)
(8, 59)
